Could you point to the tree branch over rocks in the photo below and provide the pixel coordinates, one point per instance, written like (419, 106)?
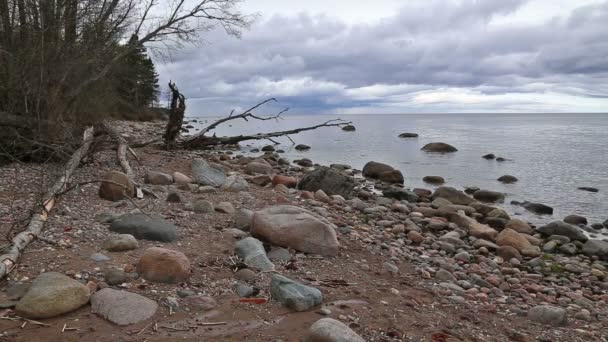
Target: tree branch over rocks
(201, 140)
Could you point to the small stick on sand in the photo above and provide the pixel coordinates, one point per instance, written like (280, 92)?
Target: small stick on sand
(142, 330)
(212, 324)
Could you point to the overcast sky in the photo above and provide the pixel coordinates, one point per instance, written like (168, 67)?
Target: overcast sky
(404, 56)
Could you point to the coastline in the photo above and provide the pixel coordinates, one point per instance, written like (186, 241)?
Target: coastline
(404, 269)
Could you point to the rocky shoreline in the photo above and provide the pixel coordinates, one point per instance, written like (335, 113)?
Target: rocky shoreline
(263, 236)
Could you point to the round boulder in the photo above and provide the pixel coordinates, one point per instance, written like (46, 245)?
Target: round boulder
(374, 169)
(116, 186)
(408, 135)
(164, 266)
(575, 220)
(331, 330)
(507, 179)
(349, 128)
(433, 179)
(393, 176)
(489, 196)
(439, 147)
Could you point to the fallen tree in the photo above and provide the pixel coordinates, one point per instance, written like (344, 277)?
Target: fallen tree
(8, 260)
(203, 140)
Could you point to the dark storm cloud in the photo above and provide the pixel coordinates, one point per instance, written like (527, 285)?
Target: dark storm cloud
(320, 64)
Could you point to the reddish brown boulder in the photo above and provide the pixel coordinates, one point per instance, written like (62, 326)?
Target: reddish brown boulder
(289, 182)
(509, 237)
(164, 266)
(116, 186)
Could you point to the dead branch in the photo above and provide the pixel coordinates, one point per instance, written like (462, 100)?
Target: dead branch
(176, 117)
(8, 261)
(121, 152)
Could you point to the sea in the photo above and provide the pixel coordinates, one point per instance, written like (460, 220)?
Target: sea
(552, 155)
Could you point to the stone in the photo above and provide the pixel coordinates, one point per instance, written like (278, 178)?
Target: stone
(509, 237)
(120, 243)
(508, 252)
(302, 147)
(568, 248)
(52, 294)
(321, 196)
(157, 178)
(174, 197)
(489, 156)
(408, 135)
(393, 177)
(297, 228)
(349, 128)
(289, 182)
(235, 184)
(374, 169)
(452, 195)
(575, 220)
(499, 213)
(565, 229)
(596, 247)
(415, 237)
(245, 275)
(258, 168)
(331, 330)
(489, 196)
(482, 231)
(262, 180)
(507, 179)
(538, 208)
(589, 189)
(293, 294)
(225, 207)
(445, 276)
(144, 227)
(116, 277)
(329, 180)
(202, 206)
(400, 194)
(116, 186)
(164, 266)
(243, 219)
(207, 174)
(548, 315)
(181, 179)
(121, 307)
(519, 226)
(252, 251)
(433, 179)
(244, 291)
(439, 147)
(279, 254)
(268, 148)
(203, 303)
(98, 257)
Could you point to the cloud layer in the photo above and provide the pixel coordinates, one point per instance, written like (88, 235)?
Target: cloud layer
(430, 56)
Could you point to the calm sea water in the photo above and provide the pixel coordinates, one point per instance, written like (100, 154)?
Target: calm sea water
(551, 154)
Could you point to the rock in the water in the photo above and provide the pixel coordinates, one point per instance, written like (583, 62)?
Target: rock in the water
(408, 135)
(393, 177)
(145, 227)
(157, 178)
(235, 184)
(164, 266)
(489, 156)
(489, 196)
(538, 208)
(439, 147)
(453, 195)
(302, 147)
(575, 220)
(588, 188)
(117, 186)
(52, 294)
(433, 179)
(207, 174)
(202, 206)
(252, 251)
(374, 169)
(268, 148)
(400, 194)
(331, 330)
(596, 247)
(293, 294)
(120, 243)
(507, 179)
(243, 218)
(329, 180)
(565, 229)
(296, 228)
(349, 128)
(121, 307)
(548, 315)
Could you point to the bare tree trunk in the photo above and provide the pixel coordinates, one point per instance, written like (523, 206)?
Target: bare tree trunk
(8, 260)
(176, 117)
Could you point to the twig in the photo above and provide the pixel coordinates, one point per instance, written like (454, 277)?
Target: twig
(212, 324)
(142, 330)
(17, 318)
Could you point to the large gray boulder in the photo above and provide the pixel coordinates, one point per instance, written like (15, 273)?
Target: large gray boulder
(565, 229)
(52, 294)
(207, 174)
(329, 180)
(293, 294)
(453, 195)
(144, 227)
(331, 330)
(235, 184)
(596, 247)
(297, 228)
(252, 251)
(121, 307)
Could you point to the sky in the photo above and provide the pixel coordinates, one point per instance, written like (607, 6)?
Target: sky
(403, 56)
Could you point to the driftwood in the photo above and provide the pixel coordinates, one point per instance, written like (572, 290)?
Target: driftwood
(176, 117)
(201, 140)
(8, 260)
